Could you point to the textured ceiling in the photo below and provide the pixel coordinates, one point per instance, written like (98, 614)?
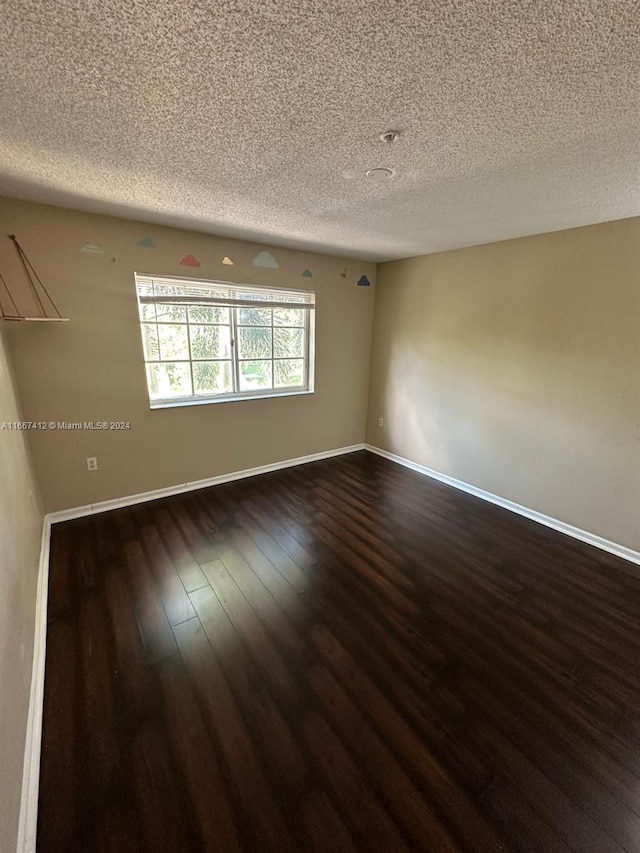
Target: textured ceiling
(259, 119)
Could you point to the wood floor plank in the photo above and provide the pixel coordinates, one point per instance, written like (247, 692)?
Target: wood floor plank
(602, 758)
(253, 695)
(60, 568)
(298, 553)
(117, 829)
(262, 814)
(172, 593)
(550, 686)
(197, 761)
(360, 806)
(86, 574)
(262, 602)
(102, 748)
(185, 565)
(326, 832)
(245, 620)
(432, 776)
(287, 567)
(574, 824)
(342, 656)
(264, 569)
(133, 677)
(60, 801)
(196, 530)
(521, 822)
(385, 774)
(367, 543)
(164, 814)
(610, 814)
(152, 618)
(368, 572)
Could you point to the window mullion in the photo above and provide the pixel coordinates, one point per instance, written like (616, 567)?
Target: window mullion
(193, 384)
(305, 350)
(234, 350)
(273, 355)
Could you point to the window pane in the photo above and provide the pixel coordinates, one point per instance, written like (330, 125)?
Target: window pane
(172, 314)
(173, 342)
(288, 317)
(288, 372)
(254, 342)
(169, 380)
(208, 314)
(254, 316)
(287, 343)
(255, 375)
(210, 341)
(150, 342)
(212, 377)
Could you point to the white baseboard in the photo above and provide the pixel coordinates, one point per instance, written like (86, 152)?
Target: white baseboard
(27, 825)
(105, 506)
(583, 535)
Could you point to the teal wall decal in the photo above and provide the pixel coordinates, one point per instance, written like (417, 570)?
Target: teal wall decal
(265, 259)
(147, 243)
(307, 274)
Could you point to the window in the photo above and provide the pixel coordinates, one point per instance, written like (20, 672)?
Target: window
(206, 341)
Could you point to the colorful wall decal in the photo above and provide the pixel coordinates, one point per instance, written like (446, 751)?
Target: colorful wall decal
(265, 259)
(227, 261)
(363, 281)
(92, 249)
(307, 274)
(189, 261)
(147, 243)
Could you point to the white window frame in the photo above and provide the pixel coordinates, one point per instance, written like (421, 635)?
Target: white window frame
(152, 289)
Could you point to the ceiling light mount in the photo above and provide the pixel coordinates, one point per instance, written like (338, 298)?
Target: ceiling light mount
(379, 174)
(390, 136)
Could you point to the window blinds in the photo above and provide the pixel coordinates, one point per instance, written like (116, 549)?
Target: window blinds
(186, 291)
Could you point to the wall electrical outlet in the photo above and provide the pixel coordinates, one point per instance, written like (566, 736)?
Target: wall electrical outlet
(380, 422)
(92, 463)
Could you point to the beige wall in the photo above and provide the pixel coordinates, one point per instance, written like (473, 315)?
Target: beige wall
(515, 367)
(91, 368)
(20, 536)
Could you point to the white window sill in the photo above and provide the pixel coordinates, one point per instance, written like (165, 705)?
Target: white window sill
(235, 398)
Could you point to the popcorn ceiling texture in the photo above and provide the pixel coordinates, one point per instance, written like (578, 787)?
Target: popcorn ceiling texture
(259, 119)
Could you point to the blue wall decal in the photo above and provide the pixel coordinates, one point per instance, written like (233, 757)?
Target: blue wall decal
(363, 281)
(307, 274)
(147, 242)
(265, 259)
(227, 261)
(92, 249)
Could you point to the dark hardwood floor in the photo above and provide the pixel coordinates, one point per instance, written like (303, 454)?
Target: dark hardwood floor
(336, 657)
